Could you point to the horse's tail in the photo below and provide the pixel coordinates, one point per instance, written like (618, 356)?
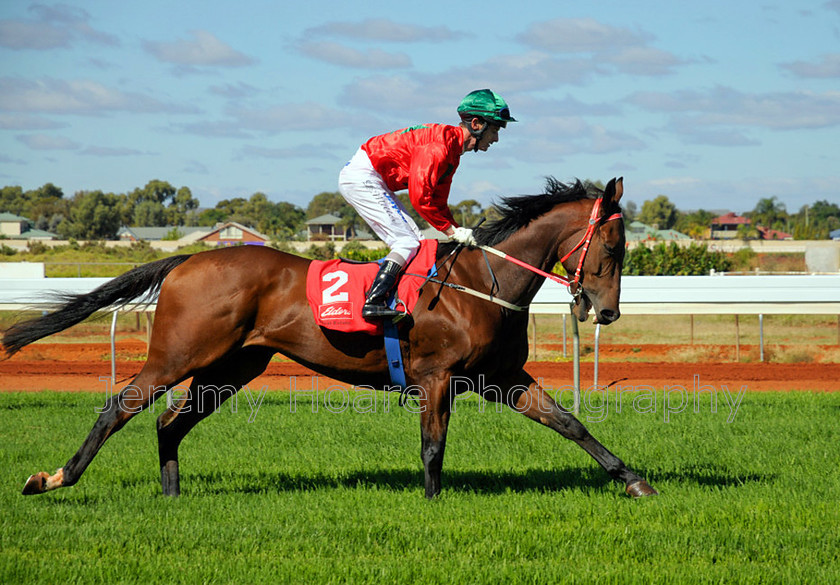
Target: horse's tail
(139, 283)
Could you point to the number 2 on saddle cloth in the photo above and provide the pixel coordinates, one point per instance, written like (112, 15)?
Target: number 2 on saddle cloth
(336, 290)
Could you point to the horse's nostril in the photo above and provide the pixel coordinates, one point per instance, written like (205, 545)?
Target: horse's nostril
(608, 315)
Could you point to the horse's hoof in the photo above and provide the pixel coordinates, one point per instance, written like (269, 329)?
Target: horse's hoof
(640, 489)
(36, 484)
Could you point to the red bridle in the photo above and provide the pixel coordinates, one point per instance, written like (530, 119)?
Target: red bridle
(582, 245)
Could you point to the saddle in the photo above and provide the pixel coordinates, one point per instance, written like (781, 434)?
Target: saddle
(336, 290)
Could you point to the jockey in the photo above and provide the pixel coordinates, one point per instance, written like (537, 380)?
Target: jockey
(422, 159)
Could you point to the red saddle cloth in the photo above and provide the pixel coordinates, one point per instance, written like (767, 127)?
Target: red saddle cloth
(336, 289)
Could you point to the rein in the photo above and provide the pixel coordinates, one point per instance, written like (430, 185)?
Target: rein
(582, 245)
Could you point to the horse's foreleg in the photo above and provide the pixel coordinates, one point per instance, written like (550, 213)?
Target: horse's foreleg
(525, 396)
(434, 421)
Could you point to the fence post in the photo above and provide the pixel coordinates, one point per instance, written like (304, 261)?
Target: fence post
(761, 337)
(534, 326)
(114, 349)
(597, 345)
(564, 333)
(692, 329)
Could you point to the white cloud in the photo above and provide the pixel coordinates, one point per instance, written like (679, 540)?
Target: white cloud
(578, 35)
(827, 67)
(75, 97)
(383, 29)
(338, 54)
(47, 142)
(104, 151)
(26, 122)
(290, 117)
(213, 129)
(724, 106)
(203, 50)
(597, 44)
(230, 90)
(56, 26)
(39, 36)
(321, 151)
(556, 138)
(643, 61)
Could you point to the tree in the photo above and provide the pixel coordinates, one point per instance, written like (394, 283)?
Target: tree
(630, 211)
(12, 200)
(695, 224)
(44, 206)
(748, 232)
(149, 213)
(210, 217)
(181, 208)
(659, 213)
(94, 215)
(769, 213)
(153, 198)
(288, 219)
(467, 213)
(328, 202)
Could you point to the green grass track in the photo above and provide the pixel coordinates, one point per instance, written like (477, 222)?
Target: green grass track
(337, 497)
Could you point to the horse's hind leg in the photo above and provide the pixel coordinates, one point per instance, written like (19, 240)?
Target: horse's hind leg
(208, 391)
(168, 364)
(118, 410)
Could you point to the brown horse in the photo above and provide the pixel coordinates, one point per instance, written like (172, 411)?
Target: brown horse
(221, 315)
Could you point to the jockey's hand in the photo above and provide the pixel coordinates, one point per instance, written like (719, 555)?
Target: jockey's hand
(464, 236)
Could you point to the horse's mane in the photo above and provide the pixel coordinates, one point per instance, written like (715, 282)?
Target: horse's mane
(516, 212)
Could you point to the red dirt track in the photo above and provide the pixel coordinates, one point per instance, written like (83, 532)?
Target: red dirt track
(78, 367)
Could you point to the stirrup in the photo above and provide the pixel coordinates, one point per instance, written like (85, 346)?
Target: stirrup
(379, 311)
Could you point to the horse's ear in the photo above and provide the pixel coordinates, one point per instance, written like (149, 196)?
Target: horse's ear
(614, 190)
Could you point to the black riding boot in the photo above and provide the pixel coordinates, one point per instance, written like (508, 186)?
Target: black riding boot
(377, 295)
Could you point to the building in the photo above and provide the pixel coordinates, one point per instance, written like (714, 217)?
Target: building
(637, 231)
(155, 234)
(325, 227)
(725, 227)
(20, 228)
(771, 234)
(231, 233)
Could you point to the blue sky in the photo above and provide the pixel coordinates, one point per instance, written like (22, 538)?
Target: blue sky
(714, 104)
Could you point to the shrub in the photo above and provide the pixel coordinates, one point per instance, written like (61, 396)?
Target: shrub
(357, 251)
(671, 259)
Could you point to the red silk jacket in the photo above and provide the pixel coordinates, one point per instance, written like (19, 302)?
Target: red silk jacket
(422, 159)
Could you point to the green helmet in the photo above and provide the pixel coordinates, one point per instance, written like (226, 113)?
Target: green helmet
(487, 105)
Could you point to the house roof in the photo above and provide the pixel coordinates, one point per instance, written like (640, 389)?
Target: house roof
(153, 233)
(730, 219)
(220, 227)
(637, 231)
(4, 216)
(771, 234)
(327, 218)
(29, 232)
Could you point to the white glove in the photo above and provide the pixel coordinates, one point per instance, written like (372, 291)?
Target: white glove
(464, 236)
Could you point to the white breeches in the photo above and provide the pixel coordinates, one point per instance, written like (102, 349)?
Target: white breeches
(366, 191)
